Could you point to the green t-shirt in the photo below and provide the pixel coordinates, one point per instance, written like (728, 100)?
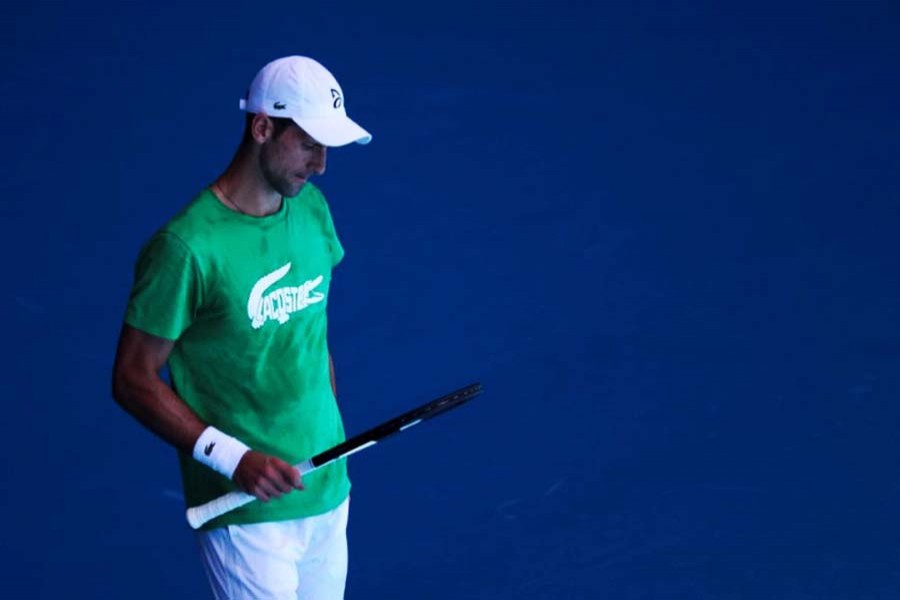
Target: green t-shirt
(245, 300)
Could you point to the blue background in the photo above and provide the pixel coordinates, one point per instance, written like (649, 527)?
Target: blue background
(662, 234)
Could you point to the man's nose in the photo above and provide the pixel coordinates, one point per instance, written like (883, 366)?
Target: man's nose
(319, 161)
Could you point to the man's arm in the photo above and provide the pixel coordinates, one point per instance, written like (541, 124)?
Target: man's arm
(138, 388)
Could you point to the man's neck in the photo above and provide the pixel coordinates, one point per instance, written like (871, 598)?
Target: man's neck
(243, 189)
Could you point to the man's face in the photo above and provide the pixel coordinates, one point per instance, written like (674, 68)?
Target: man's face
(289, 159)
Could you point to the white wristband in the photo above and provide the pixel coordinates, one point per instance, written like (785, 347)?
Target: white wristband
(219, 451)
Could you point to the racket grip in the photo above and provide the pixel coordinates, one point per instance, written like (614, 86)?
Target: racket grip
(198, 515)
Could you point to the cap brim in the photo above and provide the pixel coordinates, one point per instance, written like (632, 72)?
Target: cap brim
(336, 131)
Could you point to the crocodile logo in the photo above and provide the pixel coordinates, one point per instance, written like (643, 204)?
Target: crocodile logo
(280, 304)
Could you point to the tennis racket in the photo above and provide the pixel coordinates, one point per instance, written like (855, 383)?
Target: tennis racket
(199, 515)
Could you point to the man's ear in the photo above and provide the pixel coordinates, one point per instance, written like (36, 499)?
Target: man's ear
(261, 128)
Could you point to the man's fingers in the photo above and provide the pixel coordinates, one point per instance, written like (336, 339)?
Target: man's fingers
(289, 475)
(279, 478)
(268, 489)
(266, 477)
(293, 478)
(260, 493)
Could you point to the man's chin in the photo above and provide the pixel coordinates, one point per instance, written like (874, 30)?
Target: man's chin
(292, 188)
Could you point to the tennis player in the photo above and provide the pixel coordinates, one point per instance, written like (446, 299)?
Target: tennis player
(231, 294)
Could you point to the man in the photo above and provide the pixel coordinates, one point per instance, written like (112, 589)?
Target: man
(231, 294)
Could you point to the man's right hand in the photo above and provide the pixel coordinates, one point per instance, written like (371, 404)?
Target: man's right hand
(265, 476)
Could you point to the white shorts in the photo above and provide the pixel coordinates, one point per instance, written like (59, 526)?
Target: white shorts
(304, 558)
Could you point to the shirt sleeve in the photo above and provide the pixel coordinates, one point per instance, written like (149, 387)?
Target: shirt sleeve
(166, 292)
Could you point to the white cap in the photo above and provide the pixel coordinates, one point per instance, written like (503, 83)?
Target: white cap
(299, 88)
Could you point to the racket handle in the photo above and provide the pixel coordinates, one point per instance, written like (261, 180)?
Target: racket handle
(199, 515)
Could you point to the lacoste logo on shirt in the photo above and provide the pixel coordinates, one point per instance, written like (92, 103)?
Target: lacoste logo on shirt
(338, 100)
(279, 106)
(279, 304)
(209, 448)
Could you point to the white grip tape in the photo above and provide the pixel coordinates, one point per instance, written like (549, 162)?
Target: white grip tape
(198, 515)
(305, 467)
